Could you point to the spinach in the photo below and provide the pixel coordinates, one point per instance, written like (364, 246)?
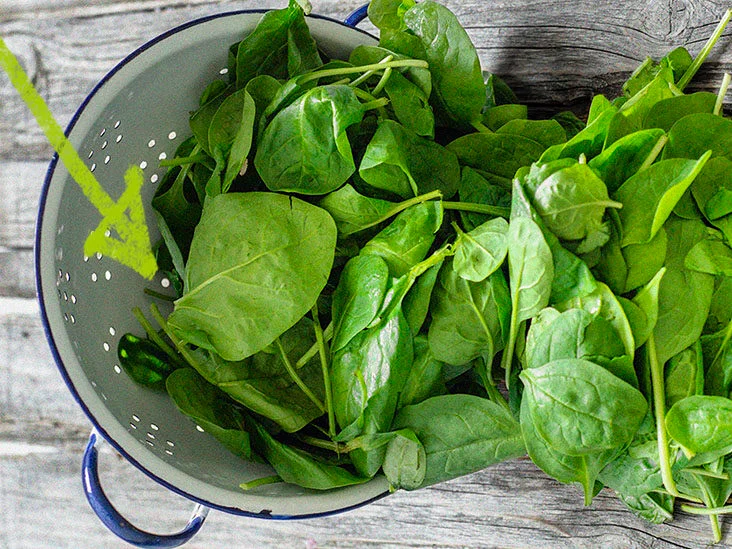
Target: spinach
(305, 147)
(240, 270)
(405, 461)
(458, 90)
(399, 161)
(210, 409)
(481, 251)
(702, 425)
(649, 197)
(605, 417)
(461, 434)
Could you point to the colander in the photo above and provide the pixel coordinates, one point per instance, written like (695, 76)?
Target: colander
(138, 114)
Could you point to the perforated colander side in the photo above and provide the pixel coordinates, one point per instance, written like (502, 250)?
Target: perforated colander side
(139, 114)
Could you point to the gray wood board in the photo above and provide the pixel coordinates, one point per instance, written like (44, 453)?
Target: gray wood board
(555, 53)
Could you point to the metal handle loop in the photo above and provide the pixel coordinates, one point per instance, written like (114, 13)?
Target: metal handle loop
(357, 16)
(113, 520)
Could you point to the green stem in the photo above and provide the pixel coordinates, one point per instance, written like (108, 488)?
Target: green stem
(368, 74)
(657, 148)
(182, 160)
(726, 510)
(314, 348)
(324, 354)
(473, 207)
(382, 81)
(260, 482)
(375, 104)
(490, 385)
(296, 378)
(704, 53)
(337, 447)
(722, 93)
(704, 473)
(659, 409)
(154, 336)
(179, 345)
(158, 295)
(713, 519)
(398, 63)
(436, 194)
(507, 358)
(482, 128)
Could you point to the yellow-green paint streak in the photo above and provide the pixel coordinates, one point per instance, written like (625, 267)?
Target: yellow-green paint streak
(126, 217)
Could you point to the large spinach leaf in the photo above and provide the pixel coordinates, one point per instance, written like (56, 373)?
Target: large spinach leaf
(240, 269)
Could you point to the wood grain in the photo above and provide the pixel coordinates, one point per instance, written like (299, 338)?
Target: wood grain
(555, 53)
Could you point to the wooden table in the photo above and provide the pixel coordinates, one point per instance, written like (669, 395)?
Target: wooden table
(555, 53)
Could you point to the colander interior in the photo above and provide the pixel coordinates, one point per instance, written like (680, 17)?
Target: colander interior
(139, 115)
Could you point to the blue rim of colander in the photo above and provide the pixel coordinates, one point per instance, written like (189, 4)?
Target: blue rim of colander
(350, 22)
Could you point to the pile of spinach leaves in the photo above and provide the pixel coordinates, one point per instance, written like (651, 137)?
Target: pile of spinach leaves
(382, 265)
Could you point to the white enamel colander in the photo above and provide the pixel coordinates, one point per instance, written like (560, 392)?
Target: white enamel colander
(136, 115)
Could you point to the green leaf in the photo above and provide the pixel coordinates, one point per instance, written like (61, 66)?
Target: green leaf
(684, 375)
(425, 377)
(702, 425)
(210, 409)
(305, 148)
(461, 434)
(580, 408)
(544, 132)
(300, 468)
(667, 112)
(281, 264)
(405, 461)
(458, 90)
(481, 251)
(695, 134)
(400, 162)
(649, 197)
(469, 319)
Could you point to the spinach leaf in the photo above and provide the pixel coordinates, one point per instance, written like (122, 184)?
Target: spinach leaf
(405, 461)
(210, 409)
(399, 161)
(458, 91)
(567, 469)
(481, 251)
(352, 211)
(545, 132)
(411, 105)
(305, 148)
(695, 134)
(717, 354)
(499, 115)
(667, 112)
(407, 239)
(589, 141)
(702, 425)
(262, 382)
(711, 256)
(387, 14)
(475, 188)
(425, 377)
(358, 297)
(240, 269)
(626, 156)
(461, 434)
(299, 467)
(496, 156)
(649, 197)
(606, 416)
(684, 375)
(417, 301)
(655, 507)
(469, 319)
(572, 202)
(643, 261)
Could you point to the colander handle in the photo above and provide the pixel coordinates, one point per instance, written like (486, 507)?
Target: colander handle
(113, 520)
(357, 16)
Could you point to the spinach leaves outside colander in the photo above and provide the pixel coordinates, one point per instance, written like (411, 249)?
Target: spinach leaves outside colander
(386, 268)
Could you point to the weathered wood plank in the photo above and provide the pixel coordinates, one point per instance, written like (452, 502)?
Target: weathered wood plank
(512, 504)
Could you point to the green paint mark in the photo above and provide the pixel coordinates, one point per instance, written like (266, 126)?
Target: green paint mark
(126, 217)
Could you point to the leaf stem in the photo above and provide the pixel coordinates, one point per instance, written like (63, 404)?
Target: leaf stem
(704, 53)
(179, 345)
(182, 160)
(260, 482)
(726, 80)
(314, 348)
(337, 447)
(507, 357)
(659, 410)
(325, 367)
(474, 207)
(154, 336)
(725, 510)
(296, 378)
(704, 473)
(375, 104)
(158, 295)
(397, 63)
(655, 151)
(714, 519)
